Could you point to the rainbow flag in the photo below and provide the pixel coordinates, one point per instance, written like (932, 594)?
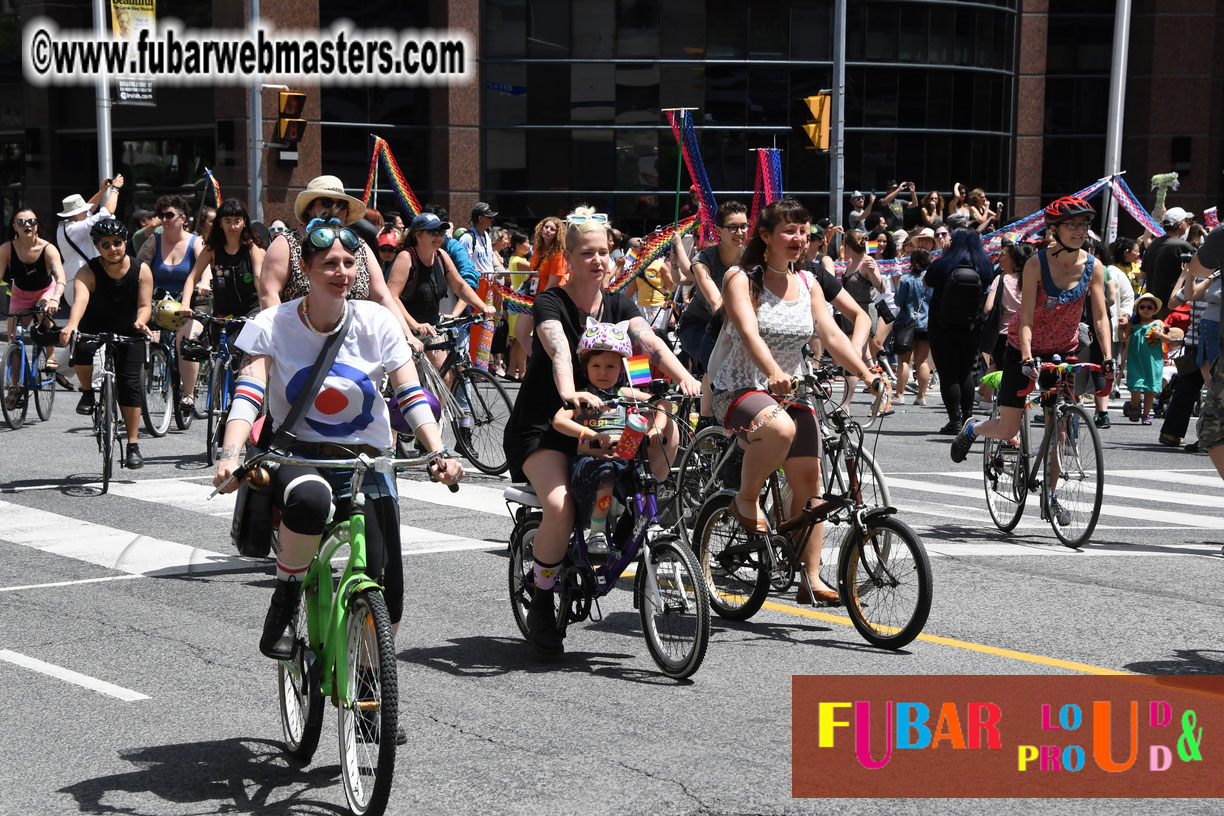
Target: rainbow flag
(214, 186)
(382, 154)
(873, 247)
(638, 369)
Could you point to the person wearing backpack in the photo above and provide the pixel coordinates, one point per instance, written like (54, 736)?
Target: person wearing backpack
(959, 280)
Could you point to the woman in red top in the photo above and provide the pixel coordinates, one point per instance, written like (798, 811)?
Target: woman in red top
(1055, 283)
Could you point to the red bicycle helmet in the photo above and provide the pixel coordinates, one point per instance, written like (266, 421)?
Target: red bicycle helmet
(1066, 208)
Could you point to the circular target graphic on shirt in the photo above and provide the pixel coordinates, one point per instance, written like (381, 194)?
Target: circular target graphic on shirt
(345, 404)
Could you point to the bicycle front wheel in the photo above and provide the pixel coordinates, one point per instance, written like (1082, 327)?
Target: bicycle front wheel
(1075, 477)
(674, 607)
(14, 402)
(489, 407)
(200, 394)
(733, 563)
(44, 385)
(106, 410)
(884, 579)
(697, 477)
(301, 702)
(155, 396)
(370, 716)
(218, 397)
(1005, 474)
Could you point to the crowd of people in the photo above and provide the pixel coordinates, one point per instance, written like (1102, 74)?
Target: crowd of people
(725, 319)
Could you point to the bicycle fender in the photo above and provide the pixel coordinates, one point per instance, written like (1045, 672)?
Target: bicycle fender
(879, 512)
(355, 585)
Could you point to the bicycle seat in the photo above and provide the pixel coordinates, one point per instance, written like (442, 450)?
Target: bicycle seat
(522, 493)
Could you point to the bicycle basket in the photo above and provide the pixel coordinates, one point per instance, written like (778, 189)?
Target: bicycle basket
(194, 351)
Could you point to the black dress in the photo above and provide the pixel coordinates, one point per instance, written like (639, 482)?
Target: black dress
(530, 426)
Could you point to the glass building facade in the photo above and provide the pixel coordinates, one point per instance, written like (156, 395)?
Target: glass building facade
(573, 92)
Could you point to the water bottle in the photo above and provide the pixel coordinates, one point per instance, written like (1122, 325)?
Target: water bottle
(631, 438)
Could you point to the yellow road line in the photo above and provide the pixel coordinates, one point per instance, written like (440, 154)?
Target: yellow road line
(1011, 654)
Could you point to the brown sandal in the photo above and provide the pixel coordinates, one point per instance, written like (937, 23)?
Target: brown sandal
(827, 596)
(750, 524)
(51, 365)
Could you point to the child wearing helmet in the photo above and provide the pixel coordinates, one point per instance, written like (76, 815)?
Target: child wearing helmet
(602, 351)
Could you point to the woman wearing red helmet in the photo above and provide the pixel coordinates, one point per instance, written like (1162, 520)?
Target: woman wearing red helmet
(1056, 281)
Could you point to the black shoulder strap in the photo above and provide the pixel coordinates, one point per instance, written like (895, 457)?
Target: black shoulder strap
(284, 435)
(72, 244)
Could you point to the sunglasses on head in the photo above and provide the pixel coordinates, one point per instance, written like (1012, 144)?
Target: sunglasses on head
(27, 222)
(600, 218)
(115, 244)
(321, 234)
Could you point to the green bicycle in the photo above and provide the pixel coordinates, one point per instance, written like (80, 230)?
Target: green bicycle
(344, 648)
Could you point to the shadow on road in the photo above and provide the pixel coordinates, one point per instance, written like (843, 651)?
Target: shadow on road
(1044, 540)
(225, 776)
(491, 657)
(1183, 661)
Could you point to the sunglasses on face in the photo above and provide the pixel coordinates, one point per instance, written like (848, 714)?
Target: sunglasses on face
(322, 234)
(115, 244)
(278, 230)
(1146, 306)
(735, 227)
(599, 218)
(168, 215)
(27, 222)
(942, 234)
(329, 203)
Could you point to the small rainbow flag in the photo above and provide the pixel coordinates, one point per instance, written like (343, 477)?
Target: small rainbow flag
(214, 186)
(873, 247)
(638, 369)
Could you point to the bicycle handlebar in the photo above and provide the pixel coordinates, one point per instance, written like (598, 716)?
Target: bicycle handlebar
(1062, 369)
(360, 462)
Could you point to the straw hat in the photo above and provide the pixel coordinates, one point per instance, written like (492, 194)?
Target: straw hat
(1151, 297)
(327, 187)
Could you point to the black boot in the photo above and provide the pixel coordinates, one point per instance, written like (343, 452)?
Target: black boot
(277, 640)
(542, 623)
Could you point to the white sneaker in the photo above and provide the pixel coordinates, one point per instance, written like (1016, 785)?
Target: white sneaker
(920, 401)
(899, 400)
(597, 546)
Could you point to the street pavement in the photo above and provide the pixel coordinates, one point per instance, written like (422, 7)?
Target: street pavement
(135, 685)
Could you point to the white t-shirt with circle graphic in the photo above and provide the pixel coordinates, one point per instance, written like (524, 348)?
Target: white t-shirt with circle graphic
(350, 407)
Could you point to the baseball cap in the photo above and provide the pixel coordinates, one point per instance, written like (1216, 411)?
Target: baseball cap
(388, 239)
(1174, 216)
(482, 208)
(427, 221)
(140, 215)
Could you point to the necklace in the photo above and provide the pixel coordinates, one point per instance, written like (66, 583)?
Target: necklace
(785, 271)
(306, 319)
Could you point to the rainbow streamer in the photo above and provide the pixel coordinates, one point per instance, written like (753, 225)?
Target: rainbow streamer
(216, 188)
(653, 247)
(511, 300)
(1122, 192)
(638, 369)
(768, 187)
(707, 206)
(382, 154)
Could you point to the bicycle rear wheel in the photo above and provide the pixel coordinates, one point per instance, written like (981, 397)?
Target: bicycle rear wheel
(733, 563)
(218, 399)
(106, 410)
(370, 717)
(489, 407)
(155, 396)
(1005, 474)
(884, 579)
(1080, 485)
(696, 478)
(677, 623)
(301, 703)
(44, 385)
(14, 403)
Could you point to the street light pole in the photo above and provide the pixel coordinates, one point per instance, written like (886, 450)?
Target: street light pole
(837, 163)
(103, 98)
(1117, 111)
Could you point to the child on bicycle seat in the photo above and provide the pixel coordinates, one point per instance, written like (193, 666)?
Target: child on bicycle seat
(602, 351)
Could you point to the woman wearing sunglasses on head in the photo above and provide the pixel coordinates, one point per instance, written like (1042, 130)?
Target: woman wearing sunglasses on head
(282, 345)
(32, 267)
(283, 277)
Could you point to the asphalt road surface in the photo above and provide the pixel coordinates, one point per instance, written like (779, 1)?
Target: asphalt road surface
(135, 686)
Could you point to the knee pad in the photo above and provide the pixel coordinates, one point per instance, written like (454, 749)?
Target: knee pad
(307, 504)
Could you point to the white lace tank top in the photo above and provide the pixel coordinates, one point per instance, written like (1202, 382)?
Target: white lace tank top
(786, 326)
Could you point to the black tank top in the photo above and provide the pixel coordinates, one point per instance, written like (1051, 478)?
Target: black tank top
(425, 289)
(112, 304)
(31, 277)
(234, 292)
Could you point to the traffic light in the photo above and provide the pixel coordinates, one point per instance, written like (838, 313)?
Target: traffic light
(290, 126)
(818, 130)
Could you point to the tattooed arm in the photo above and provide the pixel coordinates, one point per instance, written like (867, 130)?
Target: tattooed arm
(237, 429)
(661, 357)
(557, 347)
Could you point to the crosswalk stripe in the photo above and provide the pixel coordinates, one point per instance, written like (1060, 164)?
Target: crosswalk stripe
(1176, 517)
(1176, 477)
(1143, 493)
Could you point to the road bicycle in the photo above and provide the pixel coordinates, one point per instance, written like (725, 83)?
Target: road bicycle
(883, 572)
(106, 416)
(668, 590)
(162, 388)
(25, 364)
(218, 374)
(343, 644)
(475, 407)
(1071, 481)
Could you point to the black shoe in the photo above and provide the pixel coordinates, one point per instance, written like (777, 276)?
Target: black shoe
(962, 443)
(1170, 441)
(952, 428)
(134, 460)
(86, 404)
(401, 736)
(277, 640)
(542, 623)
(1193, 447)
(704, 422)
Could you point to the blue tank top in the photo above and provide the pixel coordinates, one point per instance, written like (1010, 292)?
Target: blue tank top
(171, 277)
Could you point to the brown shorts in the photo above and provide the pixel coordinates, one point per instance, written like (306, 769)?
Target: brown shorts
(740, 408)
(1211, 418)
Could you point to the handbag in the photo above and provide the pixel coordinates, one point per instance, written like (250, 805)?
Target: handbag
(253, 522)
(903, 336)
